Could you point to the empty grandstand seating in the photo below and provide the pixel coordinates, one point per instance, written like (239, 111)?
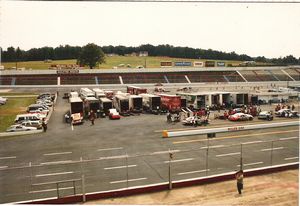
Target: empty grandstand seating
(176, 77)
(139, 78)
(34, 80)
(264, 75)
(279, 75)
(6, 80)
(77, 79)
(250, 76)
(214, 76)
(295, 73)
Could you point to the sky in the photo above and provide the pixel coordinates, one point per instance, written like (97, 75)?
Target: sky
(270, 30)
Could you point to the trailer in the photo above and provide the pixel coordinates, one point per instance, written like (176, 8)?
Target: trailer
(170, 102)
(91, 103)
(136, 90)
(151, 103)
(135, 103)
(86, 92)
(121, 103)
(99, 93)
(76, 110)
(105, 105)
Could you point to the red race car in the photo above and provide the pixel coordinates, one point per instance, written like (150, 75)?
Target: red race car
(240, 117)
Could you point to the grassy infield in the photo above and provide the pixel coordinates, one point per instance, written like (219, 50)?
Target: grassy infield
(151, 62)
(16, 106)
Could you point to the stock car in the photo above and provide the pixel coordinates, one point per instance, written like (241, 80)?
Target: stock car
(286, 113)
(240, 117)
(265, 115)
(19, 128)
(113, 114)
(195, 121)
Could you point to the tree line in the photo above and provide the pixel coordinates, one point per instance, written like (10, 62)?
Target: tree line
(73, 52)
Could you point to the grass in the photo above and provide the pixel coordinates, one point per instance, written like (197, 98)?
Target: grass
(13, 107)
(15, 94)
(151, 62)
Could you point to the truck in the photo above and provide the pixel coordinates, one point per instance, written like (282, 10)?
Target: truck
(99, 93)
(86, 92)
(121, 103)
(170, 103)
(91, 103)
(136, 90)
(151, 103)
(76, 110)
(105, 105)
(135, 103)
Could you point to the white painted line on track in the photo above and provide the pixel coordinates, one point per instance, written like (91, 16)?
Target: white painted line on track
(50, 190)
(269, 149)
(252, 142)
(130, 180)
(249, 164)
(58, 162)
(192, 172)
(3, 167)
(214, 146)
(58, 153)
(286, 138)
(52, 174)
(72, 127)
(228, 154)
(291, 158)
(165, 152)
(4, 158)
(106, 149)
(181, 160)
(119, 167)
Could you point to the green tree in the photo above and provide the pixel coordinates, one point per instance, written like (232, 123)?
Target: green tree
(91, 55)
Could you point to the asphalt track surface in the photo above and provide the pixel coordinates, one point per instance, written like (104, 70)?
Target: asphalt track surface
(130, 152)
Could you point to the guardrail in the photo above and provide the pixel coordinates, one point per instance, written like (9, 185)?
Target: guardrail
(167, 133)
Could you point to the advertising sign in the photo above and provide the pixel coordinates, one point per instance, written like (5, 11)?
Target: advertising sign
(183, 64)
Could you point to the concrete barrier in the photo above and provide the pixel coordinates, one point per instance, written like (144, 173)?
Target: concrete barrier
(167, 133)
(164, 185)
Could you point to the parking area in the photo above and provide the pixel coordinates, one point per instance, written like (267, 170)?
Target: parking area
(114, 154)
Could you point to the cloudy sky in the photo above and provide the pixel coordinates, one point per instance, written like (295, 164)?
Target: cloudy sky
(270, 30)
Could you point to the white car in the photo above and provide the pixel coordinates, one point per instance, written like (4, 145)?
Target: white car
(31, 123)
(265, 115)
(240, 117)
(113, 114)
(19, 128)
(3, 100)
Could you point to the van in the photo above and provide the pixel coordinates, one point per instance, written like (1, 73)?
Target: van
(25, 117)
(38, 107)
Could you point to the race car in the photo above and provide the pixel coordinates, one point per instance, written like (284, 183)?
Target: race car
(286, 113)
(240, 117)
(265, 115)
(113, 114)
(195, 121)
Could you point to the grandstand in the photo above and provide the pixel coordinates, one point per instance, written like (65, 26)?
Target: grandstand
(151, 76)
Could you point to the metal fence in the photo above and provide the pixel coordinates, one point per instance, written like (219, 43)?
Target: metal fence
(119, 170)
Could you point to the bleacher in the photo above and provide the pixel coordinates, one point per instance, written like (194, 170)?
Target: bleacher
(6, 80)
(280, 75)
(77, 79)
(108, 78)
(176, 78)
(264, 75)
(140, 78)
(214, 76)
(295, 73)
(250, 76)
(34, 80)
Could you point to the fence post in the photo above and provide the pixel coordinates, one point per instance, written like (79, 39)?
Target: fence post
(30, 178)
(206, 164)
(127, 170)
(241, 161)
(82, 181)
(170, 172)
(272, 153)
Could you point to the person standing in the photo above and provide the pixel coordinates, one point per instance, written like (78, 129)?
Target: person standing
(239, 176)
(44, 125)
(92, 117)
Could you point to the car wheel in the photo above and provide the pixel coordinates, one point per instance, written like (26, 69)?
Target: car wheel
(250, 118)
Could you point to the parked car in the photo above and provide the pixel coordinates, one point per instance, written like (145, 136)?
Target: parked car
(33, 117)
(19, 128)
(32, 123)
(3, 100)
(240, 117)
(113, 114)
(286, 113)
(265, 115)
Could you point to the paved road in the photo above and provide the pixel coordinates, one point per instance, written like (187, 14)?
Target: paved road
(55, 155)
